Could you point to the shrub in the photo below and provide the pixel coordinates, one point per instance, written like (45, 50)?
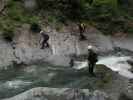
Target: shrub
(15, 16)
(35, 27)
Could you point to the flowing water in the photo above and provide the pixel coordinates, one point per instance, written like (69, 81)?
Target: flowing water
(16, 80)
(115, 63)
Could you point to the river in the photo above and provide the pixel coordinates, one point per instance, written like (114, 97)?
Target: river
(15, 80)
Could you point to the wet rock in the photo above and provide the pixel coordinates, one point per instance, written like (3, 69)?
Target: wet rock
(31, 55)
(124, 97)
(99, 96)
(127, 94)
(6, 54)
(44, 93)
(118, 64)
(62, 45)
(130, 62)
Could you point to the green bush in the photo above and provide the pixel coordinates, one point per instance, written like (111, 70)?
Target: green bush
(100, 12)
(18, 13)
(111, 3)
(35, 28)
(15, 16)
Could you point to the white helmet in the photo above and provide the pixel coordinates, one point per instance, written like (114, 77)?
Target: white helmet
(90, 47)
(41, 31)
(94, 48)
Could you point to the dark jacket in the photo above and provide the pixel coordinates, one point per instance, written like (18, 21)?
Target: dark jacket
(92, 56)
(45, 36)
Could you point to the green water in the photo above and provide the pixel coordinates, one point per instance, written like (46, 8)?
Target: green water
(16, 80)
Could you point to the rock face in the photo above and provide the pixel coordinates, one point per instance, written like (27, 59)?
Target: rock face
(43, 93)
(62, 45)
(1, 5)
(127, 94)
(6, 54)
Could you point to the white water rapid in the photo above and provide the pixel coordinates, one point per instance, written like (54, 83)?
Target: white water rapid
(117, 64)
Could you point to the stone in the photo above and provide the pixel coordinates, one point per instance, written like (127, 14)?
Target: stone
(45, 93)
(6, 54)
(127, 94)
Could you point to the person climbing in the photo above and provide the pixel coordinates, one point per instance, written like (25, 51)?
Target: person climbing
(92, 59)
(44, 42)
(13, 44)
(81, 27)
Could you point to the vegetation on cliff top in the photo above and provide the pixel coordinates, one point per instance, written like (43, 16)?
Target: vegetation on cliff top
(109, 16)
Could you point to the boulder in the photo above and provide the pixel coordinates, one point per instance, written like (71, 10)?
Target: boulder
(127, 94)
(6, 54)
(45, 93)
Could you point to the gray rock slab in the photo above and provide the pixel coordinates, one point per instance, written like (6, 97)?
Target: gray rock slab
(45, 93)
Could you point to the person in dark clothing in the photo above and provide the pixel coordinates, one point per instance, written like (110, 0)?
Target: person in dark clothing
(71, 63)
(44, 43)
(92, 59)
(81, 31)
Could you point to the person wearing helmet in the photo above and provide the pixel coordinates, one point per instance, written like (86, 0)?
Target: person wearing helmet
(44, 42)
(81, 27)
(92, 59)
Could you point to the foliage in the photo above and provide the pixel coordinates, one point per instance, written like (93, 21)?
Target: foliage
(35, 27)
(15, 15)
(16, 12)
(76, 9)
(111, 3)
(99, 13)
